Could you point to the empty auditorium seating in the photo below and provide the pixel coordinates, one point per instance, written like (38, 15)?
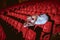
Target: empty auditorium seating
(11, 21)
(21, 11)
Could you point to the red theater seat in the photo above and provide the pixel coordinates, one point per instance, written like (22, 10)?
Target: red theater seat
(47, 27)
(12, 22)
(54, 11)
(57, 19)
(30, 35)
(15, 24)
(4, 17)
(46, 31)
(58, 29)
(24, 30)
(9, 21)
(19, 27)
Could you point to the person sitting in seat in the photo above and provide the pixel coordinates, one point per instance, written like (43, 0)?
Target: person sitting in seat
(36, 20)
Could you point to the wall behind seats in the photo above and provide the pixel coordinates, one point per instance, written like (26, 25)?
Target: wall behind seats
(11, 2)
(2, 4)
(6, 3)
(21, 1)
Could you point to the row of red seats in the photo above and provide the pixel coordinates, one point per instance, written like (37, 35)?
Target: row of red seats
(17, 15)
(14, 23)
(45, 29)
(38, 10)
(25, 10)
(18, 26)
(20, 5)
(50, 11)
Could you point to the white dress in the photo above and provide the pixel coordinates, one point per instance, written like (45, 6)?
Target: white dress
(42, 19)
